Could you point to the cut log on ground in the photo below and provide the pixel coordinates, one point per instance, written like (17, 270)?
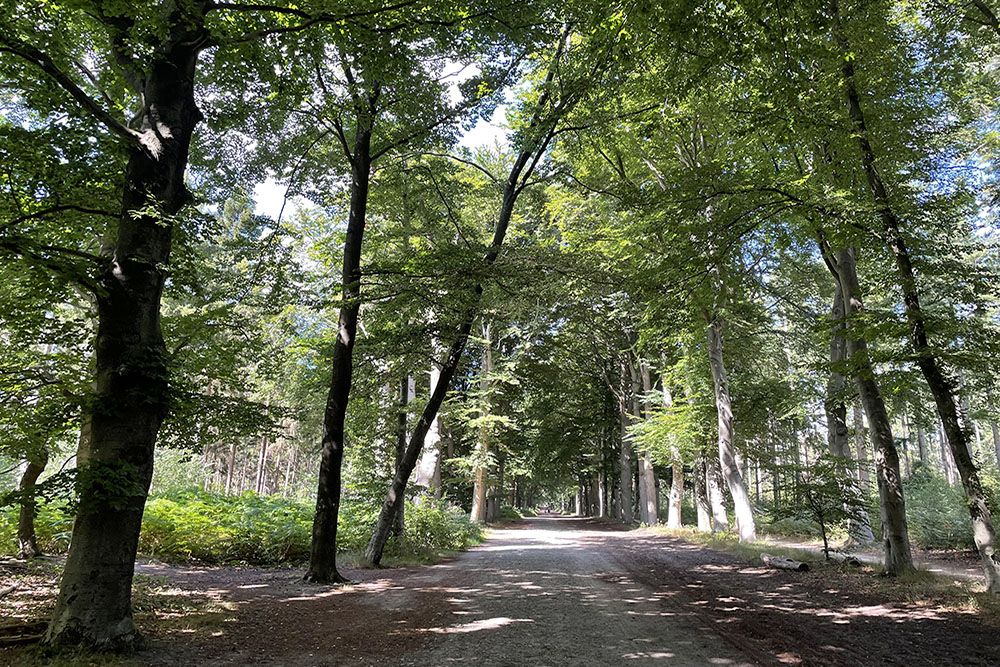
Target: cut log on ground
(780, 563)
(847, 559)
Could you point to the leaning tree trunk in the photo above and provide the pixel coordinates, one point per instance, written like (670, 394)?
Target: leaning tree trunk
(323, 553)
(130, 392)
(859, 526)
(544, 127)
(727, 452)
(928, 360)
(27, 541)
(895, 536)
(376, 546)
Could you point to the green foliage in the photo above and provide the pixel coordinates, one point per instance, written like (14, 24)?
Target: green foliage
(53, 526)
(431, 527)
(508, 513)
(936, 513)
(194, 526)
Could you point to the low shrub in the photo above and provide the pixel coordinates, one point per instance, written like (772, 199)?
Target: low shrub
(53, 525)
(433, 526)
(187, 526)
(936, 513)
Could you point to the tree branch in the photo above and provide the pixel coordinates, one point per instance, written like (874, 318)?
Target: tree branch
(42, 60)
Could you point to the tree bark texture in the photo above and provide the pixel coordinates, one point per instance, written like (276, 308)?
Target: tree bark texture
(323, 552)
(130, 383)
(641, 386)
(895, 536)
(743, 510)
(942, 387)
(481, 474)
(859, 526)
(27, 541)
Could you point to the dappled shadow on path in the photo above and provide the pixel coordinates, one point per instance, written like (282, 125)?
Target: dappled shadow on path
(559, 590)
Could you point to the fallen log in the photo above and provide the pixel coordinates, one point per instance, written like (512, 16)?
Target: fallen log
(780, 563)
(846, 559)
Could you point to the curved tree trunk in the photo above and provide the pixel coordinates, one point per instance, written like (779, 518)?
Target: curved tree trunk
(94, 608)
(942, 387)
(859, 526)
(727, 452)
(895, 536)
(27, 541)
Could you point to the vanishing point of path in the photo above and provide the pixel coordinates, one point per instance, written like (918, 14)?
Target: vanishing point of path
(564, 591)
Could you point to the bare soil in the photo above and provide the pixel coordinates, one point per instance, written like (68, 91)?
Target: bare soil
(548, 591)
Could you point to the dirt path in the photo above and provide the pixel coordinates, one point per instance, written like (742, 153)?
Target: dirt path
(552, 591)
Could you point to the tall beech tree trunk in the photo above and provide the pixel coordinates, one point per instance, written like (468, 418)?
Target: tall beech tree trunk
(323, 552)
(921, 435)
(859, 526)
(864, 475)
(625, 465)
(716, 499)
(701, 495)
(895, 536)
(743, 511)
(641, 386)
(942, 387)
(480, 482)
(130, 392)
(403, 398)
(676, 500)
(995, 431)
(27, 541)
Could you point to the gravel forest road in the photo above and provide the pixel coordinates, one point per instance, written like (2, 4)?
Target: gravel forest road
(565, 591)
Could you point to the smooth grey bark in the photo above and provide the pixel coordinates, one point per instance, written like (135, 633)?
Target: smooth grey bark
(895, 535)
(860, 445)
(941, 385)
(230, 468)
(625, 469)
(479, 485)
(995, 431)
(27, 540)
(641, 386)
(403, 400)
(921, 435)
(701, 495)
(676, 499)
(716, 499)
(742, 509)
(859, 525)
